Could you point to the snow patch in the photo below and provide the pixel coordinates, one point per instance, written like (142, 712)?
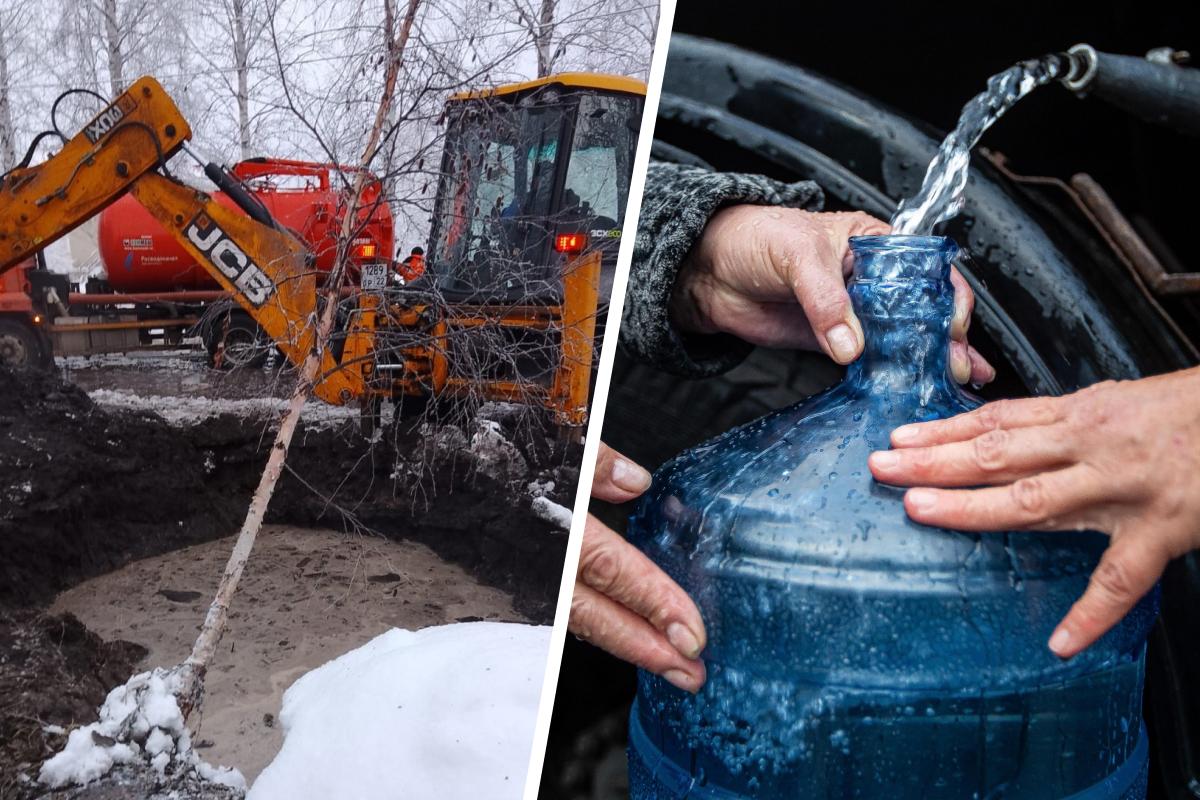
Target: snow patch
(158, 360)
(184, 411)
(495, 455)
(139, 720)
(552, 512)
(447, 713)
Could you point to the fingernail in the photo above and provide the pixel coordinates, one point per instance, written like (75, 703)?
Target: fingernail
(960, 365)
(680, 680)
(884, 459)
(958, 325)
(842, 343)
(905, 433)
(1059, 641)
(629, 476)
(922, 499)
(683, 640)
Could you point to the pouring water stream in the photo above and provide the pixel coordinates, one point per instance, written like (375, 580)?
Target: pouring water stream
(941, 194)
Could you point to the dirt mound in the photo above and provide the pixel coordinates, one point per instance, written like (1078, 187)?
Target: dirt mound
(141, 782)
(53, 675)
(85, 491)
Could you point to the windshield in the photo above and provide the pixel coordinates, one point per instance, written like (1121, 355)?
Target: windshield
(597, 188)
(501, 164)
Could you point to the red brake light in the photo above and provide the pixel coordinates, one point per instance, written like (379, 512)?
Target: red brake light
(570, 242)
(366, 250)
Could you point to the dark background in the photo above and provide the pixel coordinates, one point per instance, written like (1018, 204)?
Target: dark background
(926, 60)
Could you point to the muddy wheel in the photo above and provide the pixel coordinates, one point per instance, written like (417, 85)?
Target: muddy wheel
(19, 345)
(245, 343)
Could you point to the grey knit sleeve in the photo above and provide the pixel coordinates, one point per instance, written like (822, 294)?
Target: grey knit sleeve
(677, 204)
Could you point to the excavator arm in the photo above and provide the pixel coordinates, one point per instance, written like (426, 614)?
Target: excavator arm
(132, 136)
(263, 266)
(264, 269)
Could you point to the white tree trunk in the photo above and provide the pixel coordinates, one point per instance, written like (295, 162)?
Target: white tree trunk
(8, 135)
(116, 61)
(241, 63)
(544, 40)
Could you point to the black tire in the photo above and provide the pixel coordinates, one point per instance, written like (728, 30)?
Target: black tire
(20, 346)
(245, 344)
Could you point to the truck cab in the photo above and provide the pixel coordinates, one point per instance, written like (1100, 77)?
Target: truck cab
(532, 174)
(22, 341)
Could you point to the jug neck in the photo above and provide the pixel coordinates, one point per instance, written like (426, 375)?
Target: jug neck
(902, 294)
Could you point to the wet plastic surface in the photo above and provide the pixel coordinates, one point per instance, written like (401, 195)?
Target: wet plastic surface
(852, 652)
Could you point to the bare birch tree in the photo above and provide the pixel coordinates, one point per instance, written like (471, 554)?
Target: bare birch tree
(8, 134)
(609, 35)
(396, 34)
(539, 24)
(228, 38)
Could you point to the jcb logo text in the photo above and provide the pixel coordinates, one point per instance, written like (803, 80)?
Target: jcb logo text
(226, 256)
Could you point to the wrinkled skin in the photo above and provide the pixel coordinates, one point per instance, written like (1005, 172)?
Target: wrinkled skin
(1121, 458)
(623, 602)
(777, 277)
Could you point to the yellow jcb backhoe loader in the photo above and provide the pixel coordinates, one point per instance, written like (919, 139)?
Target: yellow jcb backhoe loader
(534, 184)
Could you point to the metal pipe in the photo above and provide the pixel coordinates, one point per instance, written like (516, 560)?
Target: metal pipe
(194, 296)
(121, 326)
(1157, 88)
(184, 296)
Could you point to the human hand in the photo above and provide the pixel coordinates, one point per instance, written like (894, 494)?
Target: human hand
(623, 602)
(777, 277)
(1121, 458)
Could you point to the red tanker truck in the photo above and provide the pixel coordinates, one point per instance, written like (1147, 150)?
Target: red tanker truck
(155, 293)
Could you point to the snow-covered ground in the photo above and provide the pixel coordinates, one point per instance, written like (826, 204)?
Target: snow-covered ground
(182, 359)
(192, 410)
(445, 713)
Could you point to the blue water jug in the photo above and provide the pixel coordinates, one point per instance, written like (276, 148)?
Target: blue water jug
(853, 653)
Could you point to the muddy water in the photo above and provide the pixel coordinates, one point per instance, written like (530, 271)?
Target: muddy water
(307, 596)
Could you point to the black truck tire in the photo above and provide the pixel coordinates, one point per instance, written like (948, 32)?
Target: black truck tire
(245, 344)
(20, 346)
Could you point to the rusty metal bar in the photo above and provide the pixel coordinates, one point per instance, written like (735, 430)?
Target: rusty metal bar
(1130, 242)
(120, 326)
(1001, 163)
(82, 299)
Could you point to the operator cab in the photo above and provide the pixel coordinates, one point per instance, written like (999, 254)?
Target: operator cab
(532, 174)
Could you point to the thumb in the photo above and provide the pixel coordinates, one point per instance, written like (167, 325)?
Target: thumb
(1128, 570)
(617, 478)
(819, 282)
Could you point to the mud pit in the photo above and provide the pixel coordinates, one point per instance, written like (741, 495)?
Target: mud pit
(307, 597)
(87, 488)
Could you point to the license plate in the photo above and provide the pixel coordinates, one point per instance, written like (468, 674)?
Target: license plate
(374, 277)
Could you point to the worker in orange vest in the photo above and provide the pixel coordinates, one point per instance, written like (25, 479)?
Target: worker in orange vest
(413, 266)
